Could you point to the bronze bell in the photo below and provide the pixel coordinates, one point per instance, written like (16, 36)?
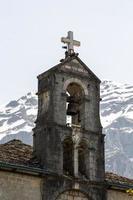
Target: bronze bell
(72, 108)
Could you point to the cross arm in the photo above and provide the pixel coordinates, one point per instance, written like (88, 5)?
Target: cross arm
(67, 40)
(76, 43)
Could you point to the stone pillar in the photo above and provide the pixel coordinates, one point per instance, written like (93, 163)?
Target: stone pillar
(75, 161)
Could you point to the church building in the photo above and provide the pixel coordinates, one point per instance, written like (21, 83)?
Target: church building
(67, 159)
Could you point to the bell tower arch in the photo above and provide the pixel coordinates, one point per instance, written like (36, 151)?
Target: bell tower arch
(68, 139)
(74, 107)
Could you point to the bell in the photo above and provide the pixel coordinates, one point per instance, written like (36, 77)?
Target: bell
(72, 109)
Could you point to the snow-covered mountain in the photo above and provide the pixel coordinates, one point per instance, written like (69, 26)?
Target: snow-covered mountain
(17, 120)
(117, 120)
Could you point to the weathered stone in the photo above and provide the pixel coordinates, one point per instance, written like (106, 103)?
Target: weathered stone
(115, 195)
(16, 186)
(72, 195)
(76, 150)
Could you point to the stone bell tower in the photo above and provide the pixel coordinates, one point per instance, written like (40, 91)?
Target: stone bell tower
(68, 139)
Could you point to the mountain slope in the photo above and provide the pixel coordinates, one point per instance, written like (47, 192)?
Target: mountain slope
(17, 120)
(117, 120)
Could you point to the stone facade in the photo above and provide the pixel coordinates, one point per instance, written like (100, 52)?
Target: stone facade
(116, 195)
(72, 195)
(19, 186)
(16, 186)
(77, 149)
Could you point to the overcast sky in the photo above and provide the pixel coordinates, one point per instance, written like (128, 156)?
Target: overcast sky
(30, 32)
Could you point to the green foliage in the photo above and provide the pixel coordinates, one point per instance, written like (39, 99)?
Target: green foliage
(130, 191)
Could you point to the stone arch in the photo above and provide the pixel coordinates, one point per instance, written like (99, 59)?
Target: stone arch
(75, 80)
(75, 92)
(72, 194)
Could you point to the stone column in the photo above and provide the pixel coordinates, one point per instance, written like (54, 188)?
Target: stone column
(76, 161)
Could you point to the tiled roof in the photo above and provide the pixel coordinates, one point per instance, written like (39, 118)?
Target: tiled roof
(114, 178)
(16, 152)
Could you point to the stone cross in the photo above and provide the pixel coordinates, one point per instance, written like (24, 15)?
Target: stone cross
(70, 42)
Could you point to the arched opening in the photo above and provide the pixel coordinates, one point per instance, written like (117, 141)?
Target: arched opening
(75, 95)
(68, 157)
(82, 148)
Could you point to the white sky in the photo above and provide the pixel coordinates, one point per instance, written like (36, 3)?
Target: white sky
(30, 32)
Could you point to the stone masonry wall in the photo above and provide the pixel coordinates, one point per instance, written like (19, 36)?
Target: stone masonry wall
(15, 186)
(72, 195)
(116, 195)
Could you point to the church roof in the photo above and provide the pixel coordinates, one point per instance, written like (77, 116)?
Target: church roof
(17, 153)
(114, 178)
(68, 59)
